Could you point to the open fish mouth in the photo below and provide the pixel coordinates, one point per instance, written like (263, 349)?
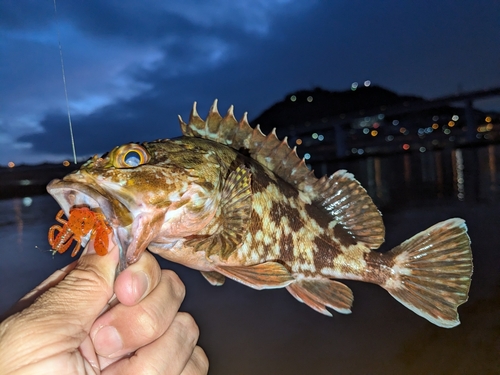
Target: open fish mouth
(70, 194)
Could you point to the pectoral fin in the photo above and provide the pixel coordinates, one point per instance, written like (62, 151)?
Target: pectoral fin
(268, 275)
(236, 208)
(320, 293)
(214, 278)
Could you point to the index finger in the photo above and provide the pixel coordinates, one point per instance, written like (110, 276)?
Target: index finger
(138, 280)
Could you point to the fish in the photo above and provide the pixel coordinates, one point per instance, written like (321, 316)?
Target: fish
(231, 202)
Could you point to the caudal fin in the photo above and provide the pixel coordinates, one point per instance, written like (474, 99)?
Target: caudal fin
(432, 272)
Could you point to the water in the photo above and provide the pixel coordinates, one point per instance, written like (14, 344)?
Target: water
(268, 332)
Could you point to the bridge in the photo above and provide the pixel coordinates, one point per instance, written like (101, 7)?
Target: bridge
(339, 123)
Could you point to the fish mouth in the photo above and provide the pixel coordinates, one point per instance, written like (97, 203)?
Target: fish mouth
(70, 193)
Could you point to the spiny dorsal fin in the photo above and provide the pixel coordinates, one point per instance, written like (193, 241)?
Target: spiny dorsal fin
(340, 194)
(268, 150)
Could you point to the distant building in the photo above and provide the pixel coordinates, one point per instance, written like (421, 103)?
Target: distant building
(372, 120)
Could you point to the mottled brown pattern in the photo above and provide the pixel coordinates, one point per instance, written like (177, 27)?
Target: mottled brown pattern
(227, 198)
(328, 251)
(343, 236)
(379, 266)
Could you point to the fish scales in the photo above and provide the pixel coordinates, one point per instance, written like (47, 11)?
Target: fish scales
(229, 201)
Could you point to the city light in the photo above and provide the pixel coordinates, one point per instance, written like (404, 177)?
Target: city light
(395, 122)
(406, 146)
(374, 133)
(455, 117)
(354, 86)
(451, 124)
(298, 142)
(435, 126)
(309, 99)
(487, 119)
(314, 136)
(66, 163)
(307, 156)
(293, 98)
(367, 83)
(11, 164)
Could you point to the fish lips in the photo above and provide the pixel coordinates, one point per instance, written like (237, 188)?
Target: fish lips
(72, 193)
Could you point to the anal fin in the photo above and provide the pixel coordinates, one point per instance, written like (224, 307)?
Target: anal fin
(214, 278)
(322, 293)
(267, 275)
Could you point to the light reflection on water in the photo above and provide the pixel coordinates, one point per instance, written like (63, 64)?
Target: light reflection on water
(248, 332)
(468, 174)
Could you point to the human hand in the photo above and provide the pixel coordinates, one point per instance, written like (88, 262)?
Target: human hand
(62, 330)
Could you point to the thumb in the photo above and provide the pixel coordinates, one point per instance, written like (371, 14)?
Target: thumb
(83, 293)
(59, 320)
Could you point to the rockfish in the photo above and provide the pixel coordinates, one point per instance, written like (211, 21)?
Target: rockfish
(229, 201)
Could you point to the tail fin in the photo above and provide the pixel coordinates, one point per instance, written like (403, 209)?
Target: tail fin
(432, 272)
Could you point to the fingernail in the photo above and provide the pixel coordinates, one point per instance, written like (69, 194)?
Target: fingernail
(107, 341)
(140, 283)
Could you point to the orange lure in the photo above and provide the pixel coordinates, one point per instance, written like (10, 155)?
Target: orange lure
(81, 221)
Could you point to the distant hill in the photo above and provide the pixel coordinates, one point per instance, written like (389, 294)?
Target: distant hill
(314, 105)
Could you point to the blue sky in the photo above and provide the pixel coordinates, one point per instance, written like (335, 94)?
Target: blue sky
(132, 66)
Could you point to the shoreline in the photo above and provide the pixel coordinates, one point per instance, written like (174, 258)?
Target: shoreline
(29, 180)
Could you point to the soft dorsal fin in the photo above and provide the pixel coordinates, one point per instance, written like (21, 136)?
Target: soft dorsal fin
(268, 150)
(343, 197)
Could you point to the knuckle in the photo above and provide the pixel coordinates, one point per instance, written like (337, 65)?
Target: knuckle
(89, 278)
(200, 360)
(149, 325)
(187, 326)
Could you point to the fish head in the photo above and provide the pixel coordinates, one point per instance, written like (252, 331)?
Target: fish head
(168, 189)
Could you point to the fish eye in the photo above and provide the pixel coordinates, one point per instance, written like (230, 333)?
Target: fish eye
(130, 156)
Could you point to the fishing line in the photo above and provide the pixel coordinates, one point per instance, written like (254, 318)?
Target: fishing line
(64, 83)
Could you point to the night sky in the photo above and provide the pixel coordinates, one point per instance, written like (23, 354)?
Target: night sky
(132, 66)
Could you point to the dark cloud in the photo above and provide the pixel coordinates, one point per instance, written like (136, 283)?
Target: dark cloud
(426, 49)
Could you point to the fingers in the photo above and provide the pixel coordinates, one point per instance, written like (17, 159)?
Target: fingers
(124, 329)
(138, 280)
(57, 323)
(197, 364)
(174, 353)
